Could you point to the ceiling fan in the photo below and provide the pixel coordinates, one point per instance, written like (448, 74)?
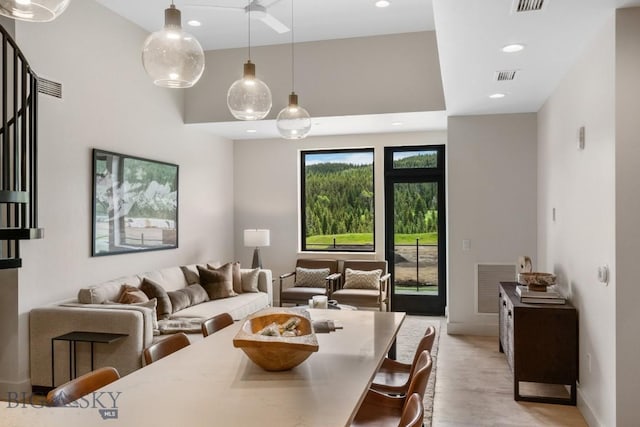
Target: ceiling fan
(257, 11)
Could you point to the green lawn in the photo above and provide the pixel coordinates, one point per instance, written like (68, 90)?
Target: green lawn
(367, 239)
(410, 239)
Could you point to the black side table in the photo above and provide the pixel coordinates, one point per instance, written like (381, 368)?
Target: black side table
(73, 338)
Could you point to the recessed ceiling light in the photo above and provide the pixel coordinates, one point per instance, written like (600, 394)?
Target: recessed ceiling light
(397, 124)
(497, 95)
(251, 131)
(194, 23)
(383, 3)
(512, 48)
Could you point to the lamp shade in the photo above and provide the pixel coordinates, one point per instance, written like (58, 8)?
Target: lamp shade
(172, 57)
(33, 10)
(255, 238)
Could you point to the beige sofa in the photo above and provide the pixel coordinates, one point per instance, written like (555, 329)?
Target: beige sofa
(89, 312)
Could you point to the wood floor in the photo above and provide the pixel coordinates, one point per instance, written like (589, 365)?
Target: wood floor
(475, 388)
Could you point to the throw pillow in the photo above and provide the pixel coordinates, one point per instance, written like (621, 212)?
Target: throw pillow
(130, 294)
(249, 280)
(190, 275)
(311, 277)
(155, 290)
(150, 303)
(235, 274)
(358, 279)
(217, 282)
(179, 299)
(186, 297)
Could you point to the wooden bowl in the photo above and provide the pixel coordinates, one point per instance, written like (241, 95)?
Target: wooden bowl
(537, 281)
(276, 353)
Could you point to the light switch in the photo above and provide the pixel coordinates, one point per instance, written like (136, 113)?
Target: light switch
(466, 245)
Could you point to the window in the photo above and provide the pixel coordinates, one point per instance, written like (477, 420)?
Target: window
(337, 200)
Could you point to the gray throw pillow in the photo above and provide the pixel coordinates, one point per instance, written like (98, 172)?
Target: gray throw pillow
(358, 279)
(155, 290)
(217, 282)
(250, 280)
(186, 297)
(189, 275)
(311, 277)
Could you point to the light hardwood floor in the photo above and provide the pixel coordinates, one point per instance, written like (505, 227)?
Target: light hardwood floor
(474, 387)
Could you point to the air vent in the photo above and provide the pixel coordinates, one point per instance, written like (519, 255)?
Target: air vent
(49, 87)
(527, 5)
(505, 75)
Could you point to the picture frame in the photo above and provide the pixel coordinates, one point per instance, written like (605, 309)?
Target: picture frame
(134, 204)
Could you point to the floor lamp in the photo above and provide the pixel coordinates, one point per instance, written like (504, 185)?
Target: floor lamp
(256, 238)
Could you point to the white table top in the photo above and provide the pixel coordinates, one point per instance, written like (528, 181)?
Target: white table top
(211, 383)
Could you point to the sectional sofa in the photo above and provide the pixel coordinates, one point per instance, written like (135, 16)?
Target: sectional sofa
(93, 311)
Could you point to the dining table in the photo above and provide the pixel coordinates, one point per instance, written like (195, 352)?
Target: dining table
(212, 383)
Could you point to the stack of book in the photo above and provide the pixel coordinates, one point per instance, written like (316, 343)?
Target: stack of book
(550, 296)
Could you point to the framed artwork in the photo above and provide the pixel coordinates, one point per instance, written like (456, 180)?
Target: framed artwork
(135, 204)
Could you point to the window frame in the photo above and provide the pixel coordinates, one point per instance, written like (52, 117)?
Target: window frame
(303, 198)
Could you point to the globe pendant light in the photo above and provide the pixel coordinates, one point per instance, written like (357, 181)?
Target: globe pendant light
(249, 98)
(293, 121)
(33, 10)
(172, 57)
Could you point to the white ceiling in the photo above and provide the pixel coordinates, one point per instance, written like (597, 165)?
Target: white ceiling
(470, 34)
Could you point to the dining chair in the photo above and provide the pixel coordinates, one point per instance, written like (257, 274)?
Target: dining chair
(215, 323)
(305, 288)
(81, 386)
(413, 412)
(379, 409)
(160, 349)
(365, 293)
(394, 377)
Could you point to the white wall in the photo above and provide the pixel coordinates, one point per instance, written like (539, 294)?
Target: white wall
(627, 207)
(363, 75)
(580, 185)
(109, 103)
(266, 181)
(491, 190)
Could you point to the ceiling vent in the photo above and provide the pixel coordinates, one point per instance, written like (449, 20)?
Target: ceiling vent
(505, 75)
(49, 87)
(528, 5)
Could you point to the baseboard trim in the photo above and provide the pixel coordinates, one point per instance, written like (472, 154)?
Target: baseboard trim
(10, 390)
(466, 328)
(586, 411)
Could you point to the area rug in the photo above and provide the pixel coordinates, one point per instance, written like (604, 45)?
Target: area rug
(411, 331)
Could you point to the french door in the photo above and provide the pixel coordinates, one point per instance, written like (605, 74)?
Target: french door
(415, 228)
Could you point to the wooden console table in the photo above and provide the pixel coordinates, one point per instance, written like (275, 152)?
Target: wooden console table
(540, 342)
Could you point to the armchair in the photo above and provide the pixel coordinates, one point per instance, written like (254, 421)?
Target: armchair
(307, 284)
(367, 292)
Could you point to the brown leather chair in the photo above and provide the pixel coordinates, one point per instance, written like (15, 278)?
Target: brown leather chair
(370, 298)
(413, 412)
(81, 386)
(394, 377)
(300, 294)
(216, 323)
(160, 349)
(379, 409)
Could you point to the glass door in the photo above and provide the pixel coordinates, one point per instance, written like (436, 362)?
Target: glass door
(415, 224)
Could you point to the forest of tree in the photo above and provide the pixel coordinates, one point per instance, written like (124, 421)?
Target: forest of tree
(339, 199)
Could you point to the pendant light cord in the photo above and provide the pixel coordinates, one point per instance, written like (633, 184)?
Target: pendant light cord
(249, 26)
(292, 53)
